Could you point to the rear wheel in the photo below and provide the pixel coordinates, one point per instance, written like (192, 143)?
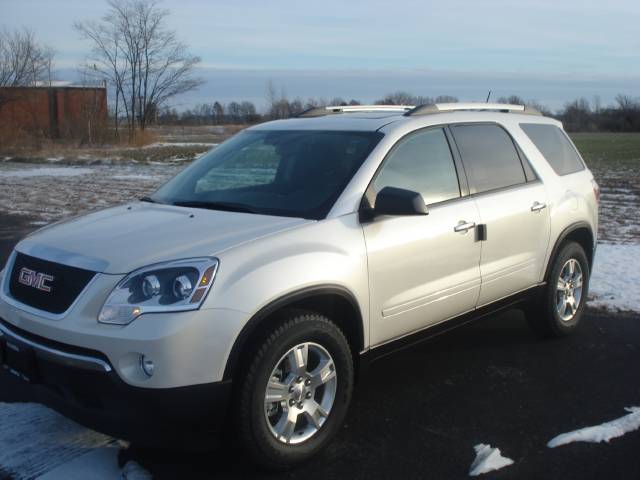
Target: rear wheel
(295, 393)
(560, 309)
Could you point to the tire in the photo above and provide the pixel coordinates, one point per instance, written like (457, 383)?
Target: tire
(263, 427)
(547, 316)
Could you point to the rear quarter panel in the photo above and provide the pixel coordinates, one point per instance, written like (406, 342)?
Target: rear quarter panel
(570, 197)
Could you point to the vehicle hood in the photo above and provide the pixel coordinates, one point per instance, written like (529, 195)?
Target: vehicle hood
(121, 239)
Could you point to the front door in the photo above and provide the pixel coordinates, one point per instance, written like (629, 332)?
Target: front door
(422, 269)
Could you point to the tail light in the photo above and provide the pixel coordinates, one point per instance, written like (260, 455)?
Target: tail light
(596, 190)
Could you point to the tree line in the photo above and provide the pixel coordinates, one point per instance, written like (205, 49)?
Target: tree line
(580, 115)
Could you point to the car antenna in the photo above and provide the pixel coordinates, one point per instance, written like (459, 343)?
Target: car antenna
(489, 95)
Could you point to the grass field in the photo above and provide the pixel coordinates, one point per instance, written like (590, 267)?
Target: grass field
(607, 147)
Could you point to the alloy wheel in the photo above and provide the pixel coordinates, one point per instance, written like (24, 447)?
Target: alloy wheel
(569, 290)
(300, 393)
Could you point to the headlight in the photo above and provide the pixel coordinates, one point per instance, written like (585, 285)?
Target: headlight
(165, 287)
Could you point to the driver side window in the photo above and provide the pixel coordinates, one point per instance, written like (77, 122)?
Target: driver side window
(421, 162)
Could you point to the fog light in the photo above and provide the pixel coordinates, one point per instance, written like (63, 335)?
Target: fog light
(147, 365)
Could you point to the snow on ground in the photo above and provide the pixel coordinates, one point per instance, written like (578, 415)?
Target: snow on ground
(180, 144)
(133, 471)
(137, 176)
(615, 282)
(38, 443)
(35, 440)
(50, 198)
(601, 433)
(98, 464)
(46, 172)
(487, 459)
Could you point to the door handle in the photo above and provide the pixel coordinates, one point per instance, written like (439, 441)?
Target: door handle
(537, 206)
(464, 227)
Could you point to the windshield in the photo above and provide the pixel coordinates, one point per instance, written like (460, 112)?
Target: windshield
(286, 173)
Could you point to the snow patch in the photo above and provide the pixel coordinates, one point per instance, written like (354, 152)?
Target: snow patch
(133, 471)
(35, 440)
(487, 459)
(601, 433)
(615, 281)
(137, 176)
(98, 464)
(47, 172)
(180, 144)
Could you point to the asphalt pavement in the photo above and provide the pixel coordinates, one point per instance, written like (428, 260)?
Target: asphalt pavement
(419, 413)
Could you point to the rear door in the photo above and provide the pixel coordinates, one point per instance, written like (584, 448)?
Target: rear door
(512, 203)
(421, 270)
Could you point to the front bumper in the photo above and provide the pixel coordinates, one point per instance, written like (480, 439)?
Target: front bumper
(187, 348)
(82, 385)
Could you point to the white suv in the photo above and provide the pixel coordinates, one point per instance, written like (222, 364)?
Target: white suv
(247, 292)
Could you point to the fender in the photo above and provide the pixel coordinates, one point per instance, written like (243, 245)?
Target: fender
(289, 299)
(562, 237)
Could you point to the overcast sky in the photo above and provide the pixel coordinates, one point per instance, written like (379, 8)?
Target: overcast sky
(551, 51)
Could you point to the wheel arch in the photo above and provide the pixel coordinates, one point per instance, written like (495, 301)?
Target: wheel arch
(579, 232)
(334, 301)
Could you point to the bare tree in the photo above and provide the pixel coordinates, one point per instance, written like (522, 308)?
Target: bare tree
(107, 60)
(271, 96)
(397, 98)
(512, 99)
(406, 98)
(446, 99)
(543, 109)
(218, 113)
(626, 103)
(278, 105)
(23, 61)
(146, 63)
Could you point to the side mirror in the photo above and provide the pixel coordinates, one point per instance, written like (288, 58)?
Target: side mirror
(398, 201)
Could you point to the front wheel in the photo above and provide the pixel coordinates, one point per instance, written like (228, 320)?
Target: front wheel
(296, 391)
(560, 309)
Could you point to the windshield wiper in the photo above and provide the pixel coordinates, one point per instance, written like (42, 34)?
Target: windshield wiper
(227, 207)
(148, 199)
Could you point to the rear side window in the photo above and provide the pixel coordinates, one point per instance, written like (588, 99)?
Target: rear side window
(421, 162)
(489, 156)
(554, 146)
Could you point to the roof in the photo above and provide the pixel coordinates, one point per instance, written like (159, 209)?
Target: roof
(375, 117)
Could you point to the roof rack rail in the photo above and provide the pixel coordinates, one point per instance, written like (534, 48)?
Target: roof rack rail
(330, 110)
(452, 107)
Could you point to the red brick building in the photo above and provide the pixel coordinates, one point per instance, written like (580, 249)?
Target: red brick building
(56, 112)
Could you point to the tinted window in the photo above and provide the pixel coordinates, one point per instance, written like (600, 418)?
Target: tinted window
(423, 163)
(489, 156)
(290, 173)
(555, 146)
